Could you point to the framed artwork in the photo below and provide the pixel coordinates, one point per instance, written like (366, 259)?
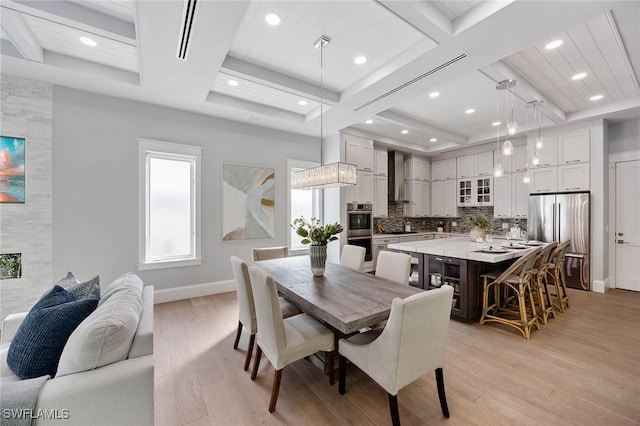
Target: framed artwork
(248, 202)
(10, 266)
(12, 171)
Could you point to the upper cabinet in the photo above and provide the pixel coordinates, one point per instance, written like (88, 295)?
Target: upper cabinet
(475, 165)
(359, 151)
(466, 166)
(548, 154)
(505, 161)
(519, 159)
(444, 170)
(417, 168)
(381, 165)
(574, 147)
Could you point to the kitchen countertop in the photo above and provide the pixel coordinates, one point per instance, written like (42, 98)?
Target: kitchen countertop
(460, 248)
(416, 234)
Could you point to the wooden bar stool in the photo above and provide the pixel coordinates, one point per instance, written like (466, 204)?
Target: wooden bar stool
(511, 292)
(555, 269)
(539, 283)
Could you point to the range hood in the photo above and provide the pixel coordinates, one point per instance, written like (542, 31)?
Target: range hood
(396, 177)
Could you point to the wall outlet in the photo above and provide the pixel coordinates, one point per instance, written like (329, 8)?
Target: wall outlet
(454, 224)
(505, 225)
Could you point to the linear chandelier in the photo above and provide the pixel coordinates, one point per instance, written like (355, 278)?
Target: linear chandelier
(326, 175)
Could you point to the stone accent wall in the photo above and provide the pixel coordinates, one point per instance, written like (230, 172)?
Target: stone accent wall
(395, 220)
(27, 111)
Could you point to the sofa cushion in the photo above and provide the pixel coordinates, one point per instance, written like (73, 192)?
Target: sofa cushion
(36, 348)
(105, 336)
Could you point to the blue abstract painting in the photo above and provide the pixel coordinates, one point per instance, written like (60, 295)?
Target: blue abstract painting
(12, 162)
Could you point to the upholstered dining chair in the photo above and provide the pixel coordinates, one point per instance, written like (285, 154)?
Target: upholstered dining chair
(282, 340)
(353, 257)
(394, 266)
(411, 345)
(246, 307)
(266, 253)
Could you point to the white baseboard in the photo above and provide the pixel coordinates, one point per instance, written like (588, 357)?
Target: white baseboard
(195, 290)
(601, 286)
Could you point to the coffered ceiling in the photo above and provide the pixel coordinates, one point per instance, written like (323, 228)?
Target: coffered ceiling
(459, 49)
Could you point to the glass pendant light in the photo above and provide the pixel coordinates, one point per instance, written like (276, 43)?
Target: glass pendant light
(539, 138)
(536, 159)
(498, 171)
(526, 178)
(507, 147)
(512, 126)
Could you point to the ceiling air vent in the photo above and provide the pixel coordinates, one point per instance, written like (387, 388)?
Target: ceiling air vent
(410, 82)
(188, 19)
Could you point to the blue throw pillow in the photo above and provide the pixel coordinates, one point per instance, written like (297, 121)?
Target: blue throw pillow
(36, 348)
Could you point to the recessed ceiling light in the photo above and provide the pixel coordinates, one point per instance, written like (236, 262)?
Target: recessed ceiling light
(434, 94)
(88, 41)
(496, 123)
(302, 102)
(433, 140)
(579, 76)
(470, 111)
(272, 19)
(596, 97)
(553, 44)
(233, 83)
(360, 60)
(404, 132)
(369, 121)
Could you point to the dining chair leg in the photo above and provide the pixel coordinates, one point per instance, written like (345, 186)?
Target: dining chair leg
(393, 408)
(441, 394)
(256, 363)
(342, 374)
(274, 390)
(238, 333)
(332, 367)
(247, 360)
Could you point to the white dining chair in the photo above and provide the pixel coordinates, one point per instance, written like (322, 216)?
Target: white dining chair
(246, 307)
(353, 257)
(284, 341)
(266, 253)
(411, 345)
(394, 266)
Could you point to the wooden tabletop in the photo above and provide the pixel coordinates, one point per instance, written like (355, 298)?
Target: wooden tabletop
(345, 299)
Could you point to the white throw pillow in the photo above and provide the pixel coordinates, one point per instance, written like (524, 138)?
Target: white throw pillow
(105, 336)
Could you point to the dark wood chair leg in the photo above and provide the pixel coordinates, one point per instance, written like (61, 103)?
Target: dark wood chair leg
(247, 360)
(332, 367)
(256, 363)
(441, 393)
(238, 333)
(342, 374)
(274, 390)
(393, 408)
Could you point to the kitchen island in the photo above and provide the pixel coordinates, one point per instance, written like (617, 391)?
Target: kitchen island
(459, 262)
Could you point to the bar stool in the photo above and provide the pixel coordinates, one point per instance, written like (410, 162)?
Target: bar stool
(511, 292)
(539, 282)
(555, 269)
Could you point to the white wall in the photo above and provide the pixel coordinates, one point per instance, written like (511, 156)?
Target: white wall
(95, 204)
(624, 136)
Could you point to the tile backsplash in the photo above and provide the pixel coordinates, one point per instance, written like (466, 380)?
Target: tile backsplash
(395, 220)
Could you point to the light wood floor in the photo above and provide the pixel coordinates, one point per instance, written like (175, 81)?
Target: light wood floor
(583, 368)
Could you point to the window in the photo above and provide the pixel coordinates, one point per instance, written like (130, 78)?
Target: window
(301, 202)
(169, 192)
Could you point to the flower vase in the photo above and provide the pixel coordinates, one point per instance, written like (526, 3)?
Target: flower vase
(318, 256)
(476, 233)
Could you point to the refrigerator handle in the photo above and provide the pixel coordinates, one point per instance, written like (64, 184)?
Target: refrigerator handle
(554, 223)
(559, 221)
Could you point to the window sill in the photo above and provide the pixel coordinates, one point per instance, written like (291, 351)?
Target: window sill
(169, 264)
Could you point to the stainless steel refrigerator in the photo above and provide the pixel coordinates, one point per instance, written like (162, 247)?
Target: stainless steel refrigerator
(562, 217)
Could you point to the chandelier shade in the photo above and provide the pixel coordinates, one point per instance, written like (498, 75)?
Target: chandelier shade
(325, 176)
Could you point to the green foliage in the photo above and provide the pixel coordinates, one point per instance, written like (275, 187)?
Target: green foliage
(479, 220)
(10, 265)
(315, 234)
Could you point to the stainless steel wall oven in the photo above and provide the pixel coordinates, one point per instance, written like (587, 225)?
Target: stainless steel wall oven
(360, 227)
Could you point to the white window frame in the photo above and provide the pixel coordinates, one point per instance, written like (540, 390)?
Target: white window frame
(157, 149)
(317, 201)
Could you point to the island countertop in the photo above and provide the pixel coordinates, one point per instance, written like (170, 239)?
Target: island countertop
(461, 248)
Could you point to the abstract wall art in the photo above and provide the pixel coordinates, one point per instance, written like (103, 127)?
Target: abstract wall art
(248, 202)
(12, 171)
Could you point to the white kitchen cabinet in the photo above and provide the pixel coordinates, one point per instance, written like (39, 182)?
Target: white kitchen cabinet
(574, 147)
(380, 195)
(437, 171)
(484, 164)
(380, 244)
(449, 199)
(437, 198)
(408, 239)
(416, 168)
(477, 191)
(426, 237)
(519, 159)
(465, 192)
(381, 165)
(466, 166)
(502, 196)
(418, 193)
(573, 177)
(359, 151)
(544, 179)
(519, 196)
(450, 168)
(505, 161)
(363, 191)
(548, 153)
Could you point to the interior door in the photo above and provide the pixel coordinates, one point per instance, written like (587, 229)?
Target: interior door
(627, 225)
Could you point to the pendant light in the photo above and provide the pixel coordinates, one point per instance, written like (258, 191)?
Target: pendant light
(538, 144)
(498, 170)
(539, 139)
(512, 126)
(326, 175)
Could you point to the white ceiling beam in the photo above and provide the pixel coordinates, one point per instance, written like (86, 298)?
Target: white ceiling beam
(397, 118)
(276, 80)
(244, 105)
(422, 16)
(76, 16)
(91, 68)
(21, 35)
(626, 107)
(478, 14)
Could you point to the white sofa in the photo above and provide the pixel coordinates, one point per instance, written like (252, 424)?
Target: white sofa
(120, 393)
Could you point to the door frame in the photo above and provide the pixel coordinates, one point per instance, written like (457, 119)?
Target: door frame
(618, 157)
